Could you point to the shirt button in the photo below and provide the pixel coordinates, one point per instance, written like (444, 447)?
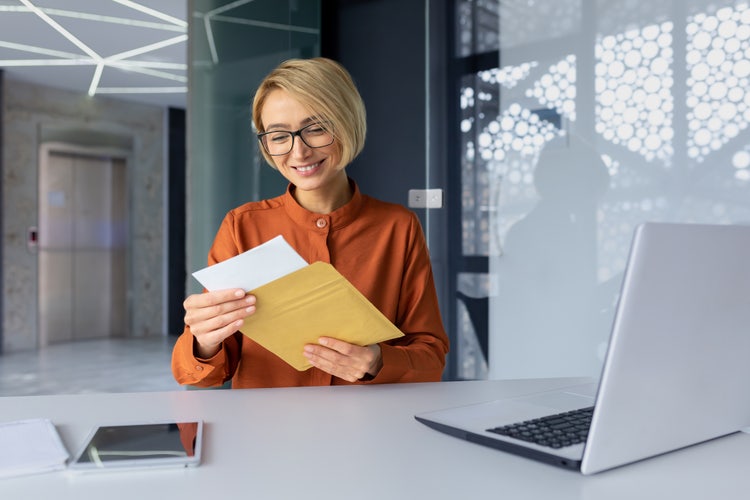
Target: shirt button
(198, 368)
(321, 223)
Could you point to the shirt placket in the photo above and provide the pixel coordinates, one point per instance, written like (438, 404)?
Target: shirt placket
(319, 242)
(320, 231)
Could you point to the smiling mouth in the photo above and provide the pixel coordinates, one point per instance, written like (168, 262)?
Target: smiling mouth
(307, 168)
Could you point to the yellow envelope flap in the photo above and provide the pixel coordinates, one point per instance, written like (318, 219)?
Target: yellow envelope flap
(310, 303)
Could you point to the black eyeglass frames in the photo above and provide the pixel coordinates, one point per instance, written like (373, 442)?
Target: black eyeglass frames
(281, 142)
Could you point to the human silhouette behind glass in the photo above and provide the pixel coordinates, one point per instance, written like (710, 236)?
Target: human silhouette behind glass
(546, 309)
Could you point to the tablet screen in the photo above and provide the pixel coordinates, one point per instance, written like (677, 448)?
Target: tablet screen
(148, 444)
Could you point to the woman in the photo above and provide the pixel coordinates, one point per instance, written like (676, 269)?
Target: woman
(311, 123)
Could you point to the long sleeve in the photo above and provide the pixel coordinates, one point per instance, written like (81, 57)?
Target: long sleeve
(213, 372)
(419, 356)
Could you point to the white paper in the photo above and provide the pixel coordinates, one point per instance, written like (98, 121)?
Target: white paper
(30, 447)
(256, 267)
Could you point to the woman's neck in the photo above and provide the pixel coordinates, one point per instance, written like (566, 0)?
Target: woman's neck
(325, 201)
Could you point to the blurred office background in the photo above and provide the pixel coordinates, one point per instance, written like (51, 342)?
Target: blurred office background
(552, 127)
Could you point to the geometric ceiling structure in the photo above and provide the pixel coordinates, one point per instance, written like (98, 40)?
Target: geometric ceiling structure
(133, 50)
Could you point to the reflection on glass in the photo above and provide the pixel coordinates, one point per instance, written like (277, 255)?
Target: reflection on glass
(594, 122)
(718, 66)
(634, 103)
(473, 305)
(476, 26)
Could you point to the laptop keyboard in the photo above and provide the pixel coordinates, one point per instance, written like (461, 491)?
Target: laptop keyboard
(555, 431)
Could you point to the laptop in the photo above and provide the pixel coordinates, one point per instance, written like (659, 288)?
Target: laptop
(676, 372)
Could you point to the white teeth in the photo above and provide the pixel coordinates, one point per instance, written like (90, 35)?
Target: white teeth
(307, 168)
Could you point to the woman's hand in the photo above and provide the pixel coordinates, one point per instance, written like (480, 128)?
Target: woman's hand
(344, 360)
(214, 316)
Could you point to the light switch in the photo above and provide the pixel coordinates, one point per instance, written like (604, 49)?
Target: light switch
(425, 198)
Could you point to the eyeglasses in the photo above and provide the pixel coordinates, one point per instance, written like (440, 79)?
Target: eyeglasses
(281, 142)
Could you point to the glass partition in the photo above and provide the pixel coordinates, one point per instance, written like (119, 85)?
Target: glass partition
(600, 115)
(233, 45)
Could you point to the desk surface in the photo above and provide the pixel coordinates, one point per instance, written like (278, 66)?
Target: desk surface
(353, 443)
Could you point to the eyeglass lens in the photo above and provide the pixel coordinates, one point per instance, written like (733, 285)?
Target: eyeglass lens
(281, 142)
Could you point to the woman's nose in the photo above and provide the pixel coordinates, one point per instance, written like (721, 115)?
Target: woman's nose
(299, 148)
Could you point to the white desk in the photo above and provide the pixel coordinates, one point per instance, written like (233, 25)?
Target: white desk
(353, 443)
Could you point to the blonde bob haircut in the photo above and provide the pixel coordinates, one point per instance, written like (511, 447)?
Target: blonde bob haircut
(327, 89)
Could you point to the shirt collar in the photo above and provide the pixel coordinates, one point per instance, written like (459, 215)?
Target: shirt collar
(338, 218)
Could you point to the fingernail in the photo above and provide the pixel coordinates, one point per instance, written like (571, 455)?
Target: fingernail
(239, 293)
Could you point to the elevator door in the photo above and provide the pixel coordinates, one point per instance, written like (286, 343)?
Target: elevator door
(82, 247)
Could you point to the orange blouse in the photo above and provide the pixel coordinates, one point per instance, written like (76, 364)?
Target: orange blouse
(379, 247)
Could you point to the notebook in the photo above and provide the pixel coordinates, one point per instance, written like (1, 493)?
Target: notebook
(30, 446)
(676, 370)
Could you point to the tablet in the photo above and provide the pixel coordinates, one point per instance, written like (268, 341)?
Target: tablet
(140, 445)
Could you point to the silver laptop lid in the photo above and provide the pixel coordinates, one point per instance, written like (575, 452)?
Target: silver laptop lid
(678, 364)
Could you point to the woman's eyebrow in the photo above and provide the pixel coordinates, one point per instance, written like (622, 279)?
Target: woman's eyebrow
(283, 126)
(286, 126)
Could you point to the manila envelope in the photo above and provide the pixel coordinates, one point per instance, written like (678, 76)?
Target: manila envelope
(310, 303)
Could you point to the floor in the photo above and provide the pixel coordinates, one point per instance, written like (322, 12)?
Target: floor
(108, 365)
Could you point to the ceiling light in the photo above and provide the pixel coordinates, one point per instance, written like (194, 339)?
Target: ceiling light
(89, 54)
(152, 12)
(75, 41)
